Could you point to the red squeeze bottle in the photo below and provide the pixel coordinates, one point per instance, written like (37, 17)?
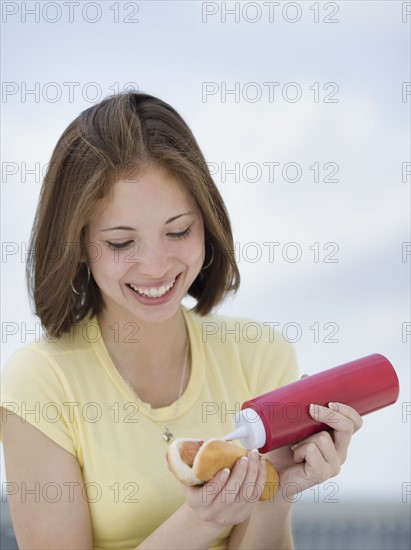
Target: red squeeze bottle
(281, 417)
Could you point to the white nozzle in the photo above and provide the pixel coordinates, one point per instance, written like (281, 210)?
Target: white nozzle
(249, 430)
(238, 433)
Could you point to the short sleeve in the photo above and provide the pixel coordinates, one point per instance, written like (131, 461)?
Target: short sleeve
(274, 364)
(34, 388)
(282, 354)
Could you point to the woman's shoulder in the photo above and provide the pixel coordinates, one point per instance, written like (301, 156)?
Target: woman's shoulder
(238, 330)
(44, 350)
(257, 348)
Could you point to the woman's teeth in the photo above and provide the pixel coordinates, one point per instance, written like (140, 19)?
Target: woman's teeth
(153, 292)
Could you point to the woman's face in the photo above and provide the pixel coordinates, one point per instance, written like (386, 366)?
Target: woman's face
(147, 247)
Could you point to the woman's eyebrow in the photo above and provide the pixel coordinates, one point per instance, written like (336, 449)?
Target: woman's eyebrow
(127, 228)
(178, 216)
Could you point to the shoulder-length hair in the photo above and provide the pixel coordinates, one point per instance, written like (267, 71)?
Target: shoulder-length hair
(106, 141)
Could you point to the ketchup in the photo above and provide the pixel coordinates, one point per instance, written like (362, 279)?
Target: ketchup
(281, 417)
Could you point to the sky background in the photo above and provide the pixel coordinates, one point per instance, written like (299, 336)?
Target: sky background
(339, 106)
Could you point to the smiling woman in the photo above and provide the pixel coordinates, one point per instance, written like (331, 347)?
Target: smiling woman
(114, 142)
(130, 222)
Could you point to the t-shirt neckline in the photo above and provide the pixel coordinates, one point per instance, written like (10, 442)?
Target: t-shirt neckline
(192, 390)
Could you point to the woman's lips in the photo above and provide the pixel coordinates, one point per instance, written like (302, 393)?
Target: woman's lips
(153, 291)
(155, 300)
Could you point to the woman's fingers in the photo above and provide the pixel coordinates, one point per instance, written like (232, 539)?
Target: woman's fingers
(253, 484)
(348, 412)
(230, 493)
(229, 497)
(245, 472)
(338, 416)
(209, 492)
(344, 421)
(320, 457)
(242, 479)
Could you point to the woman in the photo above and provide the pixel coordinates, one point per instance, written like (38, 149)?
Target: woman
(129, 222)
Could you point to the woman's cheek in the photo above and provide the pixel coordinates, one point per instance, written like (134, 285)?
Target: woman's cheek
(111, 265)
(195, 252)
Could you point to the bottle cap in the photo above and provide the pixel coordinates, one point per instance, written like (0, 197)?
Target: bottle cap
(250, 423)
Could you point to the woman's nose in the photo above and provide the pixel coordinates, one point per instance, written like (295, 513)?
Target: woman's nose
(153, 261)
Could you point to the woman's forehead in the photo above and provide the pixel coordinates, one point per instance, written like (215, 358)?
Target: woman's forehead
(155, 193)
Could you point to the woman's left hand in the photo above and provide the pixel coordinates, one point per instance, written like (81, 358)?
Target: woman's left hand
(320, 456)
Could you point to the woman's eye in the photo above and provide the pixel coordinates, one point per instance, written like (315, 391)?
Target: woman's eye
(180, 235)
(119, 246)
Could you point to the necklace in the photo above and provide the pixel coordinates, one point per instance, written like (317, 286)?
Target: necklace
(167, 435)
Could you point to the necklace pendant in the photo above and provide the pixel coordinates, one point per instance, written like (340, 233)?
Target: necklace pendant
(167, 435)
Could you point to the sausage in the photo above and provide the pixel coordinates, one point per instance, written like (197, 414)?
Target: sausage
(188, 451)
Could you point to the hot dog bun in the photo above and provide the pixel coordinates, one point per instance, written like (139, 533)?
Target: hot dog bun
(194, 462)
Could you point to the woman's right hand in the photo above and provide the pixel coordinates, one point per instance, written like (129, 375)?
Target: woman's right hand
(229, 498)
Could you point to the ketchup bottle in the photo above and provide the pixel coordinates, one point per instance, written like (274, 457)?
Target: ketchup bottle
(281, 417)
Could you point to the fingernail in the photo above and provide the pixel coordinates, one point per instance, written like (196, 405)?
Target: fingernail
(254, 455)
(244, 460)
(293, 446)
(333, 406)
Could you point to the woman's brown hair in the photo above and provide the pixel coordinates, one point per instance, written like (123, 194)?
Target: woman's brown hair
(105, 142)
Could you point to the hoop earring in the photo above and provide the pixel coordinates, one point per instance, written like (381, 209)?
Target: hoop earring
(212, 259)
(88, 280)
(74, 290)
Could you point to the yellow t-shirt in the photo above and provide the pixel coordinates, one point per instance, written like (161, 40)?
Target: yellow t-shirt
(71, 391)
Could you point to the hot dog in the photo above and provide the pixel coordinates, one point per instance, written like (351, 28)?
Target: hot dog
(194, 462)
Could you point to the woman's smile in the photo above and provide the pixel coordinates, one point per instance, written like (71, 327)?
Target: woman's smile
(153, 295)
(153, 291)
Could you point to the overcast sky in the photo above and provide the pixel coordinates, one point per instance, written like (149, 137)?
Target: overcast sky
(302, 112)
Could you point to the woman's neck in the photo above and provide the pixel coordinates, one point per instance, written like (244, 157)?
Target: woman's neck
(143, 347)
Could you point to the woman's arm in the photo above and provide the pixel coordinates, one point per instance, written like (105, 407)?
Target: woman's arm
(183, 530)
(308, 462)
(268, 527)
(32, 460)
(228, 499)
